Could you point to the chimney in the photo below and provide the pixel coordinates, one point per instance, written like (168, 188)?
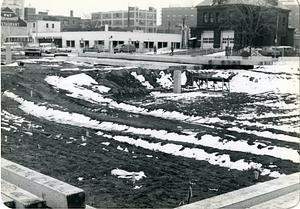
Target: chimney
(71, 13)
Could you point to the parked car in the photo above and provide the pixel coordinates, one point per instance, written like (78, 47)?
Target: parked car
(64, 50)
(124, 48)
(287, 51)
(15, 47)
(271, 51)
(33, 50)
(48, 48)
(97, 48)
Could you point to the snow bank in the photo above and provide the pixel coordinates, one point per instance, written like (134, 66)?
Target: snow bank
(74, 84)
(255, 83)
(128, 175)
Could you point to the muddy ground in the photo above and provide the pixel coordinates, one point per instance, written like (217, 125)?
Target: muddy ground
(44, 145)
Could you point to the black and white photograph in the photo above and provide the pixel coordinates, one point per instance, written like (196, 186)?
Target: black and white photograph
(139, 104)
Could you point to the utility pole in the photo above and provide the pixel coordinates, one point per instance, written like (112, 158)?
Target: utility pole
(298, 49)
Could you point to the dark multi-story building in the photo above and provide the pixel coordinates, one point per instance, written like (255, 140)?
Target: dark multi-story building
(29, 13)
(131, 19)
(294, 18)
(233, 23)
(173, 18)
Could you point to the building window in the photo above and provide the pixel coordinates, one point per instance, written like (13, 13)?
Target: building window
(217, 17)
(208, 40)
(283, 21)
(47, 25)
(162, 45)
(205, 17)
(226, 40)
(73, 44)
(52, 25)
(33, 24)
(68, 43)
(211, 18)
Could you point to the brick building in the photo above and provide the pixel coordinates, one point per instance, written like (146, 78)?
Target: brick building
(131, 19)
(238, 23)
(172, 18)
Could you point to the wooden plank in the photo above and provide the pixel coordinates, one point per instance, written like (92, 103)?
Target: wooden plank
(57, 194)
(22, 198)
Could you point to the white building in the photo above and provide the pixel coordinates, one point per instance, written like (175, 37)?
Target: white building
(17, 6)
(84, 39)
(44, 26)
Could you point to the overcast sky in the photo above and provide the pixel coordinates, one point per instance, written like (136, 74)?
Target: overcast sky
(83, 8)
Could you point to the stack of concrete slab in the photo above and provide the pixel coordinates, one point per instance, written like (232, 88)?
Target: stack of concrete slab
(22, 187)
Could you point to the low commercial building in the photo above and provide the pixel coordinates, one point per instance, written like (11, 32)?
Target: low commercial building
(84, 39)
(131, 19)
(232, 23)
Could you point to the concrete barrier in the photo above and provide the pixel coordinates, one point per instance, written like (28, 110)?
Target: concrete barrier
(20, 197)
(56, 193)
(199, 60)
(254, 195)
(7, 201)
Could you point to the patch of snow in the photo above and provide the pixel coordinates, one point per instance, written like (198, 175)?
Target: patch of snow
(267, 134)
(183, 78)
(142, 80)
(15, 64)
(137, 187)
(106, 143)
(165, 80)
(70, 69)
(206, 140)
(194, 153)
(128, 175)
(185, 95)
(80, 178)
(101, 89)
(50, 65)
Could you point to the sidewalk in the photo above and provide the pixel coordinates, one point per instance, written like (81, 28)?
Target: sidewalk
(281, 193)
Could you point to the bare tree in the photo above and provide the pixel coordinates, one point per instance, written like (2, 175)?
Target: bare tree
(251, 21)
